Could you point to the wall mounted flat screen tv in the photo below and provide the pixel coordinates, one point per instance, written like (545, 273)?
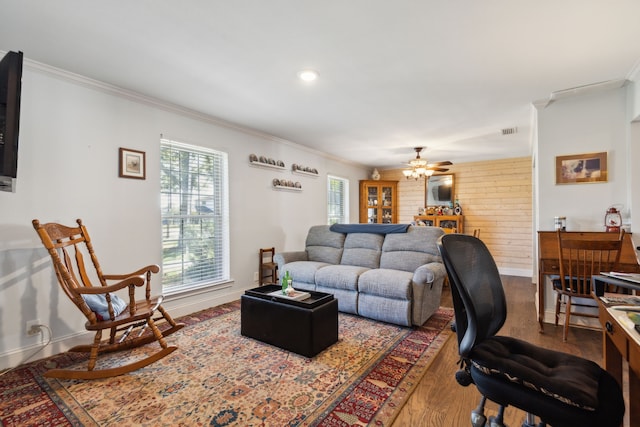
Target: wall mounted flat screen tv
(10, 89)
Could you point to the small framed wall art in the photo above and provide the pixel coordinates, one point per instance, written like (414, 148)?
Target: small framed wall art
(581, 168)
(132, 164)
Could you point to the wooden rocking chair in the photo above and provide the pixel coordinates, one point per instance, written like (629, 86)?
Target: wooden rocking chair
(102, 308)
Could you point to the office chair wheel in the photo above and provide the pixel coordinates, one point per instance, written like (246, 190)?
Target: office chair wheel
(498, 420)
(478, 420)
(477, 415)
(530, 421)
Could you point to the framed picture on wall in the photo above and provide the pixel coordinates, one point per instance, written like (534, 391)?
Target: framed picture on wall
(581, 168)
(132, 164)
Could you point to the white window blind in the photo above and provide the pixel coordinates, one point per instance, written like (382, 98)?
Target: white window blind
(337, 200)
(195, 216)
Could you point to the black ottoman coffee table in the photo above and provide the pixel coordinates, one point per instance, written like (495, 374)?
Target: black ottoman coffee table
(304, 327)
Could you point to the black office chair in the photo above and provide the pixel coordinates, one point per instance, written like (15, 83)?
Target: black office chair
(563, 390)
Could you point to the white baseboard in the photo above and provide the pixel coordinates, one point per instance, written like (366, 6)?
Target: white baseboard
(580, 321)
(34, 352)
(520, 272)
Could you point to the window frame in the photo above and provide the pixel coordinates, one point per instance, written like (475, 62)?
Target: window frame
(206, 201)
(344, 200)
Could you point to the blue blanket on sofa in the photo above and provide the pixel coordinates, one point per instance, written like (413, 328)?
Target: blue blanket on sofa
(370, 228)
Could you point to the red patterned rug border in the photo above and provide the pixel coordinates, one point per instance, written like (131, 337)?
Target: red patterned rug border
(388, 401)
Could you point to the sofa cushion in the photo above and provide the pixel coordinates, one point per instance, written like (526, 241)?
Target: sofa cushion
(347, 300)
(387, 283)
(303, 271)
(340, 276)
(385, 309)
(412, 249)
(324, 245)
(362, 249)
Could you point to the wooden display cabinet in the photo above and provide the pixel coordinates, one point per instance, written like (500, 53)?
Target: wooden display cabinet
(449, 223)
(378, 202)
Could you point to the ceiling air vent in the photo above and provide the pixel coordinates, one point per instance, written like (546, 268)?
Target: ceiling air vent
(509, 131)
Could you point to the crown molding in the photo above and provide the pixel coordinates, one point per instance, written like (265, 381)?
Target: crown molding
(580, 90)
(634, 74)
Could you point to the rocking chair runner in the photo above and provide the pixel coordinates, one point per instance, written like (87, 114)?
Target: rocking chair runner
(67, 247)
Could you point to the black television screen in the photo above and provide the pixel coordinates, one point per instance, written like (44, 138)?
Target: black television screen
(444, 192)
(10, 89)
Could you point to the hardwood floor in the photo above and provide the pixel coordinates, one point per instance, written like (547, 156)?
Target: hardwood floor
(440, 401)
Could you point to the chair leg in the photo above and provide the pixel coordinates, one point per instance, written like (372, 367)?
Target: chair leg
(478, 419)
(530, 421)
(498, 420)
(157, 334)
(175, 326)
(567, 319)
(93, 356)
(558, 303)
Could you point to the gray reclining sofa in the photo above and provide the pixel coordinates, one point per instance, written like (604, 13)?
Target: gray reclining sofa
(392, 273)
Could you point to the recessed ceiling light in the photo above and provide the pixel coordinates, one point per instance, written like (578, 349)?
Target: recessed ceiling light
(308, 75)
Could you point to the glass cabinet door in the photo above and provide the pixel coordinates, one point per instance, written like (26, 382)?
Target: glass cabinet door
(372, 196)
(387, 217)
(387, 196)
(372, 215)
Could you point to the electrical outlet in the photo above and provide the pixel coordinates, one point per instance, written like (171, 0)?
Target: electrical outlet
(255, 276)
(33, 327)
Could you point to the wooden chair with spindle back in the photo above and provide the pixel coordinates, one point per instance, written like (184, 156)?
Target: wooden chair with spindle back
(100, 304)
(267, 264)
(579, 260)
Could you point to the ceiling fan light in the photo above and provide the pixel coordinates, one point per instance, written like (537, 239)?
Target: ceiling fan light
(420, 168)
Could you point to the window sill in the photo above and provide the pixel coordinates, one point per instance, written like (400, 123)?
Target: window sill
(188, 291)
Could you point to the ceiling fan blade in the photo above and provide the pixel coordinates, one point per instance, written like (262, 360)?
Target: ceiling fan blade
(444, 163)
(437, 169)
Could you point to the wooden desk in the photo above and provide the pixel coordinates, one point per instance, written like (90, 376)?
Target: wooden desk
(619, 343)
(549, 264)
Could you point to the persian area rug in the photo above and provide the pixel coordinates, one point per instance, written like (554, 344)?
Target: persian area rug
(219, 378)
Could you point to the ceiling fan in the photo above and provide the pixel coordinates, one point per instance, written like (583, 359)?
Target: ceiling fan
(420, 168)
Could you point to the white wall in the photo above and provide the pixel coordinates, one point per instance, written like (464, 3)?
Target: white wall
(633, 147)
(71, 129)
(583, 124)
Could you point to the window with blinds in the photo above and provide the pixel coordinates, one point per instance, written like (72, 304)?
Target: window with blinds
(195, 216)
(338, 200)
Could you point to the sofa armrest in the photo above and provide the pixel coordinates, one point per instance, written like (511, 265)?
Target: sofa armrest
(282, 258)
(428, 274)
(427, 291)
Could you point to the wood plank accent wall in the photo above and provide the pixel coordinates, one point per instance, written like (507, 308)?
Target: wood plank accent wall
(496, 197)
